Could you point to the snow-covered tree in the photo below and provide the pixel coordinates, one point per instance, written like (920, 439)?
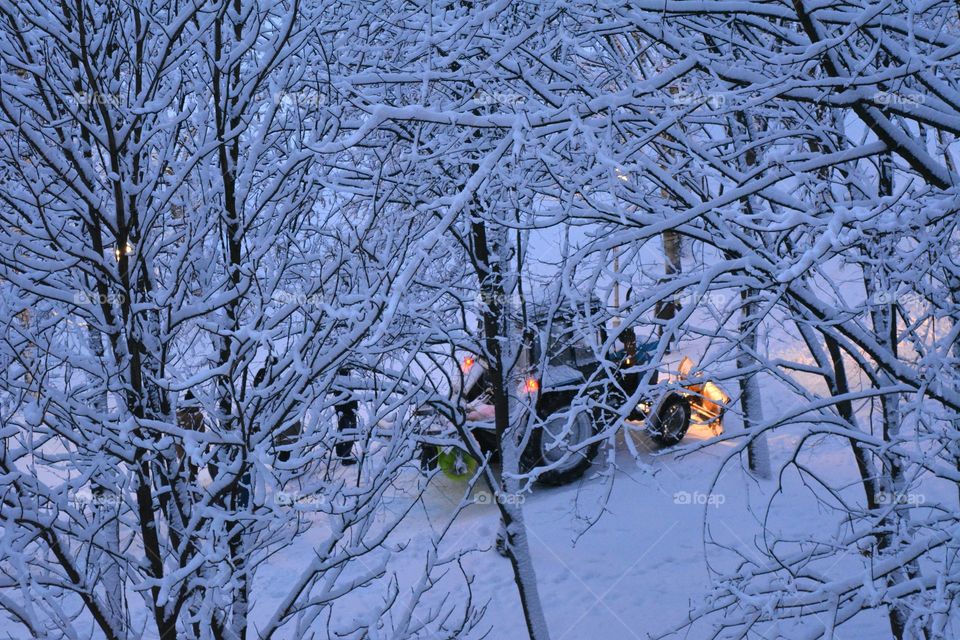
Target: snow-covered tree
(185, 288)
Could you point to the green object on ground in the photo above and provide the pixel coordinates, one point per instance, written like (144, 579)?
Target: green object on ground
(457, 463)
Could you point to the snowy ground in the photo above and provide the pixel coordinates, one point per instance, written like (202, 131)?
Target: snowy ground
(635, 572)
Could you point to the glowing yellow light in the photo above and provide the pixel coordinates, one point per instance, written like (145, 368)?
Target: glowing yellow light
(468, 363)
(531, 385)
(127, 251)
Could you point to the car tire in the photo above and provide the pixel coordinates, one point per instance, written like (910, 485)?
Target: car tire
(543, 448)
(671, 420)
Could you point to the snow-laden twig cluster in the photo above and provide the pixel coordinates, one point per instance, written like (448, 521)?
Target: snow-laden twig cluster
(239, 236)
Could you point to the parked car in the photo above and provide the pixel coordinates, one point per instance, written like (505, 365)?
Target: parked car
(573, 394)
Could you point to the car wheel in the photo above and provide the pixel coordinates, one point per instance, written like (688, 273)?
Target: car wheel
(669, 424)
(556, 443)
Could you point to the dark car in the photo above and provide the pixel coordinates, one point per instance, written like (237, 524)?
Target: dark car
(570, 394)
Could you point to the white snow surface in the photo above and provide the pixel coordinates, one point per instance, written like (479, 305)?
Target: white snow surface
(637, 571)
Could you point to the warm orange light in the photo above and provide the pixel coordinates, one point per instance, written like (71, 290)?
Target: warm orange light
(531, 385)
(468, 363)
(127, 250)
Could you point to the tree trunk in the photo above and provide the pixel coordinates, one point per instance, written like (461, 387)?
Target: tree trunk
(496, 328)
(105, 556)
(226, 89)
(751, 400)
(672, 266)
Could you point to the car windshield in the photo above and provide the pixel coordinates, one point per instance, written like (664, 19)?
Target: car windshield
(566, 343)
